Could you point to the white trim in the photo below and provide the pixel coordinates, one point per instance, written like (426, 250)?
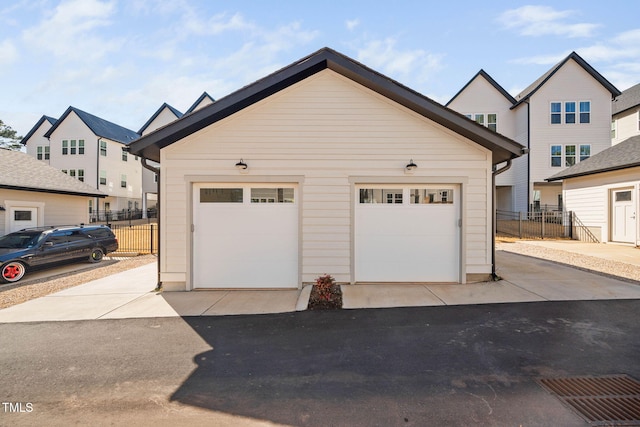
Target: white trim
(12, 204)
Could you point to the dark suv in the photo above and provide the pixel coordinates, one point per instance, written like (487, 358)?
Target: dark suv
(35, 247)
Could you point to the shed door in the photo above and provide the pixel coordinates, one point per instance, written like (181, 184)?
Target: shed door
(624, 216)
(407, 233)
(22, 217)
(245, 236)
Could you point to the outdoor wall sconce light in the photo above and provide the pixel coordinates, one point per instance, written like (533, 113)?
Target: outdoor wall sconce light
(410, 167)
(2, 208)
(242, 166)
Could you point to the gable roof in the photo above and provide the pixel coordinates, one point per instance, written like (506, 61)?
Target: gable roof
(175, 112)
(491, 81)
(98, 126)
(20, 171)
(35, 128)
(149, 145)
(621, 156)
(533, 87)
(202, 97)
(626, 100)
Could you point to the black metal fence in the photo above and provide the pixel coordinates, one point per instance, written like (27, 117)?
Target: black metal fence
(109, 216)
(543, 225)
(141, 238)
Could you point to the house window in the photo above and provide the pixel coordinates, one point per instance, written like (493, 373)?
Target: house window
(492, 122)
(556, 113)
(155, 178)
(22, 215)
(47, 155)
(81, 175)
(569, 155)
(124, 154)
(103, 177)
(103, 148)
(569, 112)
(65, 147)
(585, 152)
(585, 112)
(378, 195)
(73, 147)
(90, 206)
(556, 155)
(65, 171)
(488, 120)
(39, 152)
(72, 173)
(613, 129)
(479, 118)
(123, 181)
(81, 146)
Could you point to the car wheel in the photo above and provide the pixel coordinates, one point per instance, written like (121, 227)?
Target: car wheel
(12, 271)
(96, 255)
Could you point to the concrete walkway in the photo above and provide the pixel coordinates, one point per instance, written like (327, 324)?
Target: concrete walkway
(130, 294)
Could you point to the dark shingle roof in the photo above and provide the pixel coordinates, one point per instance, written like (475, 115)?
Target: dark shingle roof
(98, 126)
(35, 128)
(149, 146)
(202, 97)
(621, 156)
(175, 112)
(19, 171)
(491, 81)
(533, 87)
(627, 99)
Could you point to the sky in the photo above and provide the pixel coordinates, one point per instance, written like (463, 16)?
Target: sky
(122, 59)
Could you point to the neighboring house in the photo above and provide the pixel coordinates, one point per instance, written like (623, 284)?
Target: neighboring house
(625, 121)
(91, 150)
(563, 118)
(325, 166)
(202, 101)
(33, 194)
(604, 192)
(163, 116)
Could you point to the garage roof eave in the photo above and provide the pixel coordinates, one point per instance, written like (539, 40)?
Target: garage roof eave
(149, 146)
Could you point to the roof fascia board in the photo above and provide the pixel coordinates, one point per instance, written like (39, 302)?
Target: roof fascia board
(50, 191)
(594, 172)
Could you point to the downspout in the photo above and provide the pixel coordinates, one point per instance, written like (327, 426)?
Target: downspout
(496, 172)
(147, 166)
(97, 206)
(529, 186)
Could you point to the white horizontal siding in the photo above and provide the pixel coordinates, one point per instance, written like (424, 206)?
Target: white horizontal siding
(326, 129)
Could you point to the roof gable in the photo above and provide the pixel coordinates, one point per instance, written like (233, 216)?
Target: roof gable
(20, 171)
(533, 87)
(149, 146)
(628, 99)
(624, 155)
(98, 126)
(35, 127)
(163, 107)
(483, 74)
(205, 97)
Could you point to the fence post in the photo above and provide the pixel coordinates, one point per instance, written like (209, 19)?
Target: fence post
(520, 225)
(542, 224)
(571, 225)
(151, 240)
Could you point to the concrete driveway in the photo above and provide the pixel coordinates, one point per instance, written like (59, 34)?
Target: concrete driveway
(130, 294)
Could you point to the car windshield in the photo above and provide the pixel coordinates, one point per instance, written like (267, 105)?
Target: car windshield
(20, 240)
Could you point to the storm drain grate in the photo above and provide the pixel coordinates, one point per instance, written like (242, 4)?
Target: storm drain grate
(608, 400)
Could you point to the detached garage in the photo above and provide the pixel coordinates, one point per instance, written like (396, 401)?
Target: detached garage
(324, 167)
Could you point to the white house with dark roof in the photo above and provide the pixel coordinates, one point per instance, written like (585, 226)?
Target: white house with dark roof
(202, 101)
(91, 150)
(325, 166)
(34, 194)
(625, 120)
(563, 118)
(604, 192)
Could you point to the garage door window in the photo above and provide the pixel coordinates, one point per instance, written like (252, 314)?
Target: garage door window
(440, 196)
(221, 195)
(379, 195)
(272, 195)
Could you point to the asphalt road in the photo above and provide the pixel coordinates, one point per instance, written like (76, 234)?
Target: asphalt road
(454, 366)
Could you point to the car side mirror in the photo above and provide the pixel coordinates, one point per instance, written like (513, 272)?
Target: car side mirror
(47, 244)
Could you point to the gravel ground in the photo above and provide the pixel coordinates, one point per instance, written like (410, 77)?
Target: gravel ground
(21, 292)
(608, 267)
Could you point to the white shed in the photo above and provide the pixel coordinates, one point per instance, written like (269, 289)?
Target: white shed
(325, 166)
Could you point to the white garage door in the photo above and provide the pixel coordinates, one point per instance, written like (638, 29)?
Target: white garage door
(245, 236)
(407, 233)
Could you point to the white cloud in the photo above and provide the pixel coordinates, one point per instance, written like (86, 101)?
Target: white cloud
(9, 52)
(416, 64)
(70, 31)
(352, 24)
(545, 20)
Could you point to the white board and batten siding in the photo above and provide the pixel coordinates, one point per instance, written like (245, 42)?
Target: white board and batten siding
(326, 135)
